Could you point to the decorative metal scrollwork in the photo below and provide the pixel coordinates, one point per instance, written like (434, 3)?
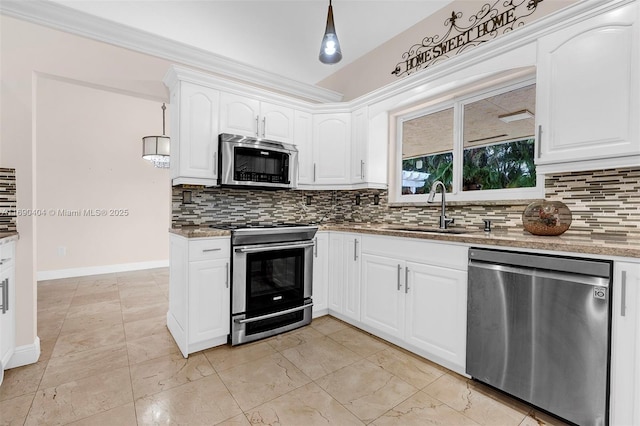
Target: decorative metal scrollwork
(488, 23)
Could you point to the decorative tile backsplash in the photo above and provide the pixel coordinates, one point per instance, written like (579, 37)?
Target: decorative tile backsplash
(602, 202)
(7, 200)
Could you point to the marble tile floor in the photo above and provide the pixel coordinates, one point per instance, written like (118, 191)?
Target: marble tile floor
(108, 359)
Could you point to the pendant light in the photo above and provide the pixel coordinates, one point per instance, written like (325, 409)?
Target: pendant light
(156, 148)
(330, 52)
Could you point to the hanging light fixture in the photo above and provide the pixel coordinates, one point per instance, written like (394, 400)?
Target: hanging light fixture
(156, 148)
(330, 52)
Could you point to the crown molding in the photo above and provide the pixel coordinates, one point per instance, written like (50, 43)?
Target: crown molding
(66, 19)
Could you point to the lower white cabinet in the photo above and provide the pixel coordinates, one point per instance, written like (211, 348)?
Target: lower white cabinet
(7, 304)
(625, 345)
(320, 289)
(344, 275)
(416, 304)
(199, 292)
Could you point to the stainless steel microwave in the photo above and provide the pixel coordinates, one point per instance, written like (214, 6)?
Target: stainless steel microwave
(251, 162)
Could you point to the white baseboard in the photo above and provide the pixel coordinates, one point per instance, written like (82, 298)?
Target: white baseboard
(25, 354)
(96, 270)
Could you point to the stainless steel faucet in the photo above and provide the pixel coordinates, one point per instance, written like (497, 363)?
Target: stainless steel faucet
(444, 220)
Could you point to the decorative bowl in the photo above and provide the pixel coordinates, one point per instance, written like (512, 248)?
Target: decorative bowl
(546, 218)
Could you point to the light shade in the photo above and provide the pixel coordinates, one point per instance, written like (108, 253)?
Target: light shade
(156, 149)
(330, 52)
(515, 116)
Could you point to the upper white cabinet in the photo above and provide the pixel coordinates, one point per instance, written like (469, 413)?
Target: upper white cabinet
(303, 139)
(245, 116)
(7, 304)
(194, 134)
(359, 140)
(625, 345)
(587, 94)
(331, 149)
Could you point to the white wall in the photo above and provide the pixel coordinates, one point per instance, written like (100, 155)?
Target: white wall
(28, 53)
(88, 149)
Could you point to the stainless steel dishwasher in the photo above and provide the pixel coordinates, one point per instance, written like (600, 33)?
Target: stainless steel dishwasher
(538, 329)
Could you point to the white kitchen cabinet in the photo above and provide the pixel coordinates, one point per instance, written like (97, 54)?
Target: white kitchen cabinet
(199, 294)
(245, 116)
(331, 149)
(587, 94)
(8, 304)
(320, 274)
(344, 275)
(625, 345)
(359, 140)
(383, 293)
(194, 134)
(303, 139)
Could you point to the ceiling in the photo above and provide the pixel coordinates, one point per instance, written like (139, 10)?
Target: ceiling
(282, 37)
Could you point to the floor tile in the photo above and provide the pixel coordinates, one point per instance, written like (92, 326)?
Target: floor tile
(294, 338)
(328, 325)
(93, 309)
(75, 400)
(88, 298)
(262, 380)
(308, 405)
(125, 415)
(91, 322)
(366, 390)
(167, 372)
(76, 366)
(203, 402)
(145, 327)
(144, 310)
(133, 302)
(535, 418)
(154, 346)
(22, 380)
(89, 339)
(226, 357)
(461, 395)
(239, 420)
(13, 412)
(421, 409)
(97, 287)
(320, 357)
(411, 369)
(358, 341)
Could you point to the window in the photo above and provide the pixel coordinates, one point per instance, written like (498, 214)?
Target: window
(489, 155)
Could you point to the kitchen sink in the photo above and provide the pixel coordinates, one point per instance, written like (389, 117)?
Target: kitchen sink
(433, 230)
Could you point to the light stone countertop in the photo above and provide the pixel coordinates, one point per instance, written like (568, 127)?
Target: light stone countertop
(571, 242)
(6, 237)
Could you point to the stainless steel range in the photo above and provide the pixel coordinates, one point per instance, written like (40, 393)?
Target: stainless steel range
(272, 269)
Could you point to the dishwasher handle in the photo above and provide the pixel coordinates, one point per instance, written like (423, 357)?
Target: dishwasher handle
(543, 273)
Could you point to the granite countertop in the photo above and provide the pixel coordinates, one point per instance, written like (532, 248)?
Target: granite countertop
(572, 242)
(9, 236)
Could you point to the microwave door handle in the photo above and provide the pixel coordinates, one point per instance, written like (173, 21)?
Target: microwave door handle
(271, 247)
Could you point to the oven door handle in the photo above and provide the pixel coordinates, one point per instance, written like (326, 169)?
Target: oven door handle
(274, 314)
(271, 247)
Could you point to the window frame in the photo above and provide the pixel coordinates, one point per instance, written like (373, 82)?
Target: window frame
(458, 103)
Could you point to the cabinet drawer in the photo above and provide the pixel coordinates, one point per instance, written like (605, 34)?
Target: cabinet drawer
(209, 248)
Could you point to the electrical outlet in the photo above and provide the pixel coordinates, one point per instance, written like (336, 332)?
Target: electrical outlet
(357, 199)
(308, 200)
(376, 199)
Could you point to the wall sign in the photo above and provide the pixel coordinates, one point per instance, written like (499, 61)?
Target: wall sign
(464, 33)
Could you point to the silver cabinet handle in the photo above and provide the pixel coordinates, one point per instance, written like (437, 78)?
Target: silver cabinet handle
(227, 272)
(315, 247)
(623, 294)
(215, 163)
(399, 269)
(406, 280)
(274, 314)
(355, 250)
(4, 286)
(362, 169)
(314, 172)
(211, 249)
(539, 140)
(257, 126)
(264, 127)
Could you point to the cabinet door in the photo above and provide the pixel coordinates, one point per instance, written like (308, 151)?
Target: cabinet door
(303, 134)
(7, 320)
(276, 122)
(351, 278)
(625, 345)
(331, 149)
(239, 115)
(198, 136)
(383, 294)
(209, 300)
(320, 274)
(587, 90)
(359, 132)
(336, 272)
(436, 313)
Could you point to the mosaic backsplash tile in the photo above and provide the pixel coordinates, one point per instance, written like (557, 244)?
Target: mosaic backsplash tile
(7, 200)
(605, 203)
